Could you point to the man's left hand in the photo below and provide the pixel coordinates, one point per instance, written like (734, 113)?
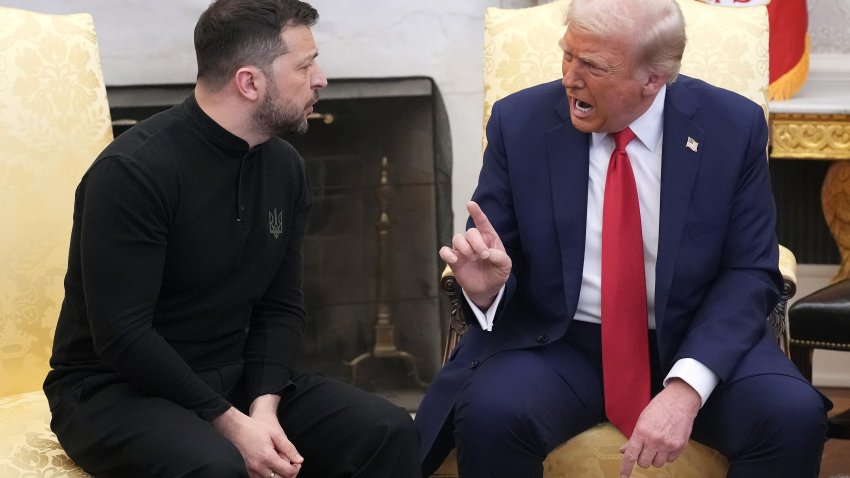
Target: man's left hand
(264, 409)
(663, 428)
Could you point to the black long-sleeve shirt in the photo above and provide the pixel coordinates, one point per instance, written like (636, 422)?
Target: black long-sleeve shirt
(185, 257)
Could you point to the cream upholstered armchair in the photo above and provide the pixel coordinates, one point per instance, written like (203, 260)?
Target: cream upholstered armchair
(727, 47)
(54, 120)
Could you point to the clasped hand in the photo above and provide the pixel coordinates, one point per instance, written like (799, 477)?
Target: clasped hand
(478, 259)
(261, 441)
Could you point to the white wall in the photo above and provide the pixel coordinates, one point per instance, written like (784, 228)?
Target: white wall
(829, 28)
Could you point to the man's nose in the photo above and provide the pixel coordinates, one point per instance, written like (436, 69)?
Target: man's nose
(318, 80)
(571, 79)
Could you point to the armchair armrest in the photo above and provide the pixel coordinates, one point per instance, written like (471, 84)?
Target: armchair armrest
(457, 322)
(778, 318)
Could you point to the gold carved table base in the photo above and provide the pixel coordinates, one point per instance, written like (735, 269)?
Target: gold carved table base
(824, 137)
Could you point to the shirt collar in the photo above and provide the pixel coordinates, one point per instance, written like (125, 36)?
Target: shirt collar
(215, 132)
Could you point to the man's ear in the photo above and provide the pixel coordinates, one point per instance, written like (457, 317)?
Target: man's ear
(249, 82)
(653, 84)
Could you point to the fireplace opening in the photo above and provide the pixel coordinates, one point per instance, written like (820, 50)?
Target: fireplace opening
(800, 224)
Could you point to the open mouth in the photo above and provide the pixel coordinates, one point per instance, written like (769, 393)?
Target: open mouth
(583, 106)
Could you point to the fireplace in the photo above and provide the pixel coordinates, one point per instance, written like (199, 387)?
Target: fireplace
(800, 225)
(379, 158)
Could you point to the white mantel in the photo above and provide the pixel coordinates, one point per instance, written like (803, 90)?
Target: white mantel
(827, 88)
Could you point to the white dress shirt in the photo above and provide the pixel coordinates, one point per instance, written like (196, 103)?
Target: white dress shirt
(645, 157)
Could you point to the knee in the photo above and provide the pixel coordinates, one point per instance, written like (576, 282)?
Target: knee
(385, 440)
(800, 415)
(392, 423)
(492, 417)
(793, 420)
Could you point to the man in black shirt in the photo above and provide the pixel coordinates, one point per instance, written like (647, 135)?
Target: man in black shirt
(177, 340)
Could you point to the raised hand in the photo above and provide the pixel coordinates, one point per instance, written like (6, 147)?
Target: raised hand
(478, 259)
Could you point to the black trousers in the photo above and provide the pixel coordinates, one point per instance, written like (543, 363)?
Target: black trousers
(341, 431)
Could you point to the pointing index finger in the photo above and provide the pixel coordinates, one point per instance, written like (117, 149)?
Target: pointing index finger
(479, 218)
(631, 451)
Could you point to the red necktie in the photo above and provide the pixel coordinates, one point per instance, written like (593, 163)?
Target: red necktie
(625, 347)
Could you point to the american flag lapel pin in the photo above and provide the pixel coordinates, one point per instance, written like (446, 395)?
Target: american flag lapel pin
(692, 144)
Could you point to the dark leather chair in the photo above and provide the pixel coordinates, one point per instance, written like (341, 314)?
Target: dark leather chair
(821, 320)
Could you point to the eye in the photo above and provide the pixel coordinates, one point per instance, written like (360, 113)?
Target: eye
(594, 68)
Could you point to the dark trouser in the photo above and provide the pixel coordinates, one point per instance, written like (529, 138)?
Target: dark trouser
(521, 404)
(340, 431)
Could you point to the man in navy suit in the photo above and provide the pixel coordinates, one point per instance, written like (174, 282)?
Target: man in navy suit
(530, 265)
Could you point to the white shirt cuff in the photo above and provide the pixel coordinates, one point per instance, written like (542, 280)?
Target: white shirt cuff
(695, 374)
(486, 318)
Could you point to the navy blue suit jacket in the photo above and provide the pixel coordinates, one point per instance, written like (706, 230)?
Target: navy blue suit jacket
(717, 276)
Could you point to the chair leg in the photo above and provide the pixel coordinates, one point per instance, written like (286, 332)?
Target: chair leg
(802, 358)
(839, 426)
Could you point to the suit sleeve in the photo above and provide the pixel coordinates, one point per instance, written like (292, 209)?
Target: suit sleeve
(731, 317)
(495, 197)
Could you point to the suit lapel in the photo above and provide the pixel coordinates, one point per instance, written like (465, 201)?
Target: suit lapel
(567, 153)
(679, 167)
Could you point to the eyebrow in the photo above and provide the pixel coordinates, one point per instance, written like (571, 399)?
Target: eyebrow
(597, 63)
(309, 57)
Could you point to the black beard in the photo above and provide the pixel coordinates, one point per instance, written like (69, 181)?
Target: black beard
(277, 118)
(273, 120)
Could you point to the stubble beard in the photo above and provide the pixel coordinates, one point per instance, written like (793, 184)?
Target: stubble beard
(278, 116)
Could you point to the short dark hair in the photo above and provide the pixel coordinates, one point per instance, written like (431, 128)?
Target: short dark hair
(233, 33)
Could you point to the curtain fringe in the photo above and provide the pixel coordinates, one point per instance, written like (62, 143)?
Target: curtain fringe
(791, 81)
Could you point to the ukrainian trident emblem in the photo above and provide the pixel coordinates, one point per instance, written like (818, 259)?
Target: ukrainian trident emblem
(275, 223)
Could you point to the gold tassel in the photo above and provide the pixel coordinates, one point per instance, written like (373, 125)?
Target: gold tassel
(790, 83)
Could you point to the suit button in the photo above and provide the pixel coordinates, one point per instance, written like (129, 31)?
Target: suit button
(474, 364)
(542, 339)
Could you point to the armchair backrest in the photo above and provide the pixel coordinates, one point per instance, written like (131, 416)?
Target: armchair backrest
(54, 120)
(727, 47)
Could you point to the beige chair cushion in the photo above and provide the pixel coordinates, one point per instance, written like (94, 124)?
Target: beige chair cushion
(28, 449)
(54, 120)
(595, 454)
